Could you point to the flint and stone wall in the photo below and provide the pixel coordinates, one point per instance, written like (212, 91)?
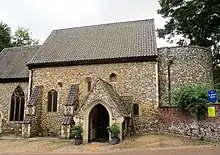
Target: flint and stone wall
(6, 90)
(137, 79)
(174, 120)
(190, 64)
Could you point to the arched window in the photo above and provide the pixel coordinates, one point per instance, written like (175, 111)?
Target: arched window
(17, 105)
(136, 109)
(113, 77)
(52, 101)
(89, 83)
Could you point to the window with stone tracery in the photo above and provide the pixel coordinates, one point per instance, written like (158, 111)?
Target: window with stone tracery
(17, 105)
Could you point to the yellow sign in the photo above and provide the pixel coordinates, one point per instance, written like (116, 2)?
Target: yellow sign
(211, 111)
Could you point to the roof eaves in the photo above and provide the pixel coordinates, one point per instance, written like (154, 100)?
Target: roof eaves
(94, 61)
(11, 80)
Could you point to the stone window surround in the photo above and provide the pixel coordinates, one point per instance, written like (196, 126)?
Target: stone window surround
(88, 81)
(135, 109)
(52, 103)
(9, 112)
(113, 77)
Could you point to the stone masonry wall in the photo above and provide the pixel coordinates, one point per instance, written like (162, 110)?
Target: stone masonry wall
(173, 120)
(137, 79)
(6, 90)
(190, 65)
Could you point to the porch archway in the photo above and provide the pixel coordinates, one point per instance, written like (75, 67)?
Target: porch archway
(98, 123)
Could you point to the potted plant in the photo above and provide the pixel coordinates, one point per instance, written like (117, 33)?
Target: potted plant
(114, 131)
(76, 133)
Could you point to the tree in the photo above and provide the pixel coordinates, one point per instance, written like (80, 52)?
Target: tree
(22, 38)
(5, 36)
(197, 21)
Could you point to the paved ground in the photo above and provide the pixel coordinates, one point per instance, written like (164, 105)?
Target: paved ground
(151, 144)
(164, 151)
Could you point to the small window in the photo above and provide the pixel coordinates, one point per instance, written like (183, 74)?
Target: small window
(17, 105)
(52, 101)
(113, 77)
(89, 83)
(135, 109)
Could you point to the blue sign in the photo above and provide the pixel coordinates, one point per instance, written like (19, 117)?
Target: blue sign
(212, 96)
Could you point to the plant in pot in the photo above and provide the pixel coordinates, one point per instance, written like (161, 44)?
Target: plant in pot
(76, 133)
(114, 131)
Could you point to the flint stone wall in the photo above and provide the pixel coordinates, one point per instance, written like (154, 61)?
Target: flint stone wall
(137, 79)
(174, 120)
(6, 90)
(191, 64)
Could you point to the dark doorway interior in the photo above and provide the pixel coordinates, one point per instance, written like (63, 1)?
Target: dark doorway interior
(98, 122)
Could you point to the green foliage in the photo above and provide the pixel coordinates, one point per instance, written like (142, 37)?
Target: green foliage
(217, 80)
(22, 38)
(114, 130)
(197, 21)
(76, 131)
(5, 36)
(192, 98)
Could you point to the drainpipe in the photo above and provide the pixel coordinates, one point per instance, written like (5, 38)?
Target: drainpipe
(170, 62)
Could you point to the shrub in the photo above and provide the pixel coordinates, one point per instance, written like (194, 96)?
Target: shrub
(191, 97)
(114, 130)
(76, 131)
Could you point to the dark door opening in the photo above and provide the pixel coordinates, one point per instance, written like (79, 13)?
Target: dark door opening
(98, 122)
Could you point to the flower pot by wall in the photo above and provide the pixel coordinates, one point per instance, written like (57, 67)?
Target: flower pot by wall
(78, 140)
(114, 140)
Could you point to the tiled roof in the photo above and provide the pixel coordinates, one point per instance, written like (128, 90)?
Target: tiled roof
(34, 95)
(28, 119)
(13, 61)
(67, 120)
(73, 95)
(108, 41)
(115, 97)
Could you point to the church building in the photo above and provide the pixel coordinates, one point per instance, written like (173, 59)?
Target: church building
(94, 76)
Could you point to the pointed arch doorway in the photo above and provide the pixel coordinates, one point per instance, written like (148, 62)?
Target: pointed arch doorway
(98, 123)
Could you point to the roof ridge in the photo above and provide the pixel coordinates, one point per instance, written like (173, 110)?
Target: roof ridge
(105, 24)
(17, 47)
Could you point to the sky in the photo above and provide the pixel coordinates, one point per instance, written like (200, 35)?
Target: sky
(43, 16)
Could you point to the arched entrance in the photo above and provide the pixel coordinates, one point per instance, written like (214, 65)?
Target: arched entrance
(98, 122)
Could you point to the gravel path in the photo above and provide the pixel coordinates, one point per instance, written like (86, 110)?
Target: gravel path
(10, 144)
(170, 151)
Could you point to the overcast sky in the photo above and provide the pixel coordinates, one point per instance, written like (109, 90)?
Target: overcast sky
(43, 16)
